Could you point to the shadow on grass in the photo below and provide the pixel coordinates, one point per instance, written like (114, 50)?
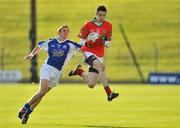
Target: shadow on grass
(101, 126)
(95, 126)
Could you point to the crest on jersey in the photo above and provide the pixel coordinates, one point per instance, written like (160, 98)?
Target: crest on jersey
(64, 47)
(104, 31)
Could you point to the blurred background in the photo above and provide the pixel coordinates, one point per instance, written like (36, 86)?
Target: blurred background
(152, 28)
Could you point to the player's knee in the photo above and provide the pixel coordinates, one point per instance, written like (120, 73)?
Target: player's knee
(41, 94)
(91, 84)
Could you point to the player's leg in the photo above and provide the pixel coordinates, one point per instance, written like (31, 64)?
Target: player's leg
(44, 88)
(99, 68)
(34, 101)
(102, 76)
(79, 71)
(90, 78)
(93, 76)
(92, 61)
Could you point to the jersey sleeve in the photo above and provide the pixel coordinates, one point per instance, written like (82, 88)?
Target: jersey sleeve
(77, 45)
(43, 45)
(84, 32)
(109, 32)
(74, 47)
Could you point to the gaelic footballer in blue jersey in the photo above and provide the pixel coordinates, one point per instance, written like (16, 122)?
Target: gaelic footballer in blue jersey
(60, 50)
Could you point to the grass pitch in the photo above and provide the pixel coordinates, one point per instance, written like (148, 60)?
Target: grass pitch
(76, 106)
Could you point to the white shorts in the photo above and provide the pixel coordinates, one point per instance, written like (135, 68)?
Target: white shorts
(87, 54)
(50, 73)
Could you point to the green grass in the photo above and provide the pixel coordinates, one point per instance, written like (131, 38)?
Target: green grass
(76, 106)
(146, 22)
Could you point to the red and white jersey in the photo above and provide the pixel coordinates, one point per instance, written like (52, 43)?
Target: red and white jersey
(104, 32)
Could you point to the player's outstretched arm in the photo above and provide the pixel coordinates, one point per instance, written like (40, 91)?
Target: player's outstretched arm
(33, 53)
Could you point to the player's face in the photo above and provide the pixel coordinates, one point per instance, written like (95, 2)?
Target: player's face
(64, 33)
(101, 15)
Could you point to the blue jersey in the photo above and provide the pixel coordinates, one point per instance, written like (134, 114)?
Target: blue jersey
(59, 53)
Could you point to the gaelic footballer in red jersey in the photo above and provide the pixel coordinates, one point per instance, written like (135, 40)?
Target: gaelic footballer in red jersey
(94, 36)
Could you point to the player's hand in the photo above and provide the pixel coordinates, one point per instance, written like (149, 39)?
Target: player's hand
(102, 42)
(103, 39)
(28, 57)
(89, 44)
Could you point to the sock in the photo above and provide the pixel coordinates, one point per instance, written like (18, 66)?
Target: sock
(26, 107)
(79, 71)
(108, 90)
(28, 111)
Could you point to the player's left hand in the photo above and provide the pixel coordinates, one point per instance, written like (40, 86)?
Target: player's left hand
(103, 39)
(89, 44)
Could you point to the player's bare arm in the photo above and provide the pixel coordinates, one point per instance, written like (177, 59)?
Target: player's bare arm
(32, 54)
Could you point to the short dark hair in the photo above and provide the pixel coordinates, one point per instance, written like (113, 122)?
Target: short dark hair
(101, 8)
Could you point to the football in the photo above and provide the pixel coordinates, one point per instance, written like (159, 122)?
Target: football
(93, 36)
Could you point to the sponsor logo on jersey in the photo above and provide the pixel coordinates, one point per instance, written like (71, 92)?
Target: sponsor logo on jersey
(52, 45)
(57, 53)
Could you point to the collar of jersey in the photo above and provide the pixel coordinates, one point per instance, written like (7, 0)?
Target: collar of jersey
(94, 22)
(60, 41)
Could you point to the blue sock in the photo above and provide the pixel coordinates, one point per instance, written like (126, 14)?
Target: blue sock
(28, 111)
(26, 107)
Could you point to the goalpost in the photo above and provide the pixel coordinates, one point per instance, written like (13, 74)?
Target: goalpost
(132, 53)
(32, 37)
